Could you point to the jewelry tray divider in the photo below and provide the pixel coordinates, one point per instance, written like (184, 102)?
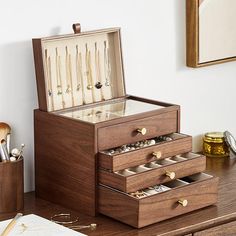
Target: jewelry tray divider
(157, 172)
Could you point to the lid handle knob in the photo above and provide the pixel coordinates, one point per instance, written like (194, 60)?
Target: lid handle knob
(77, 28)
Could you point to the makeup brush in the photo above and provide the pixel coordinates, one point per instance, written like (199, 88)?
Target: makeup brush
(5, 131)
(3, 150)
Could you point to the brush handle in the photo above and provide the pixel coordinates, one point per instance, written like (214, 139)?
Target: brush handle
(8, 142)
(3, 151)
(11, 225)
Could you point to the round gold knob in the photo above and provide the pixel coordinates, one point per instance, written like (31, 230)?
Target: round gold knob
(157, 154)
(183, 202)
(142, 131)
(170, 174)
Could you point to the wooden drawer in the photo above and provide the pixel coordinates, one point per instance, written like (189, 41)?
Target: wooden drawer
(201, 191)
(180, 144)
(160, 171)
(123, 133)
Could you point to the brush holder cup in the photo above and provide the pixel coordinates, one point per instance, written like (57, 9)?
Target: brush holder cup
(11, 186)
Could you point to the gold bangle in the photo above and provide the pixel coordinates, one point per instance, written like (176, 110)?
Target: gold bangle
(65, 216)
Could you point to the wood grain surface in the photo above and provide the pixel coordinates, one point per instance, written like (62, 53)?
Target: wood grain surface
(152, 209)
(65, 163)
(125, 133)
(11, 186)
(228, 229)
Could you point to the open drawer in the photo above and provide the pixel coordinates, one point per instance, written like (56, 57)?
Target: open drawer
(145, 151)
(171, 199)
(160, 171)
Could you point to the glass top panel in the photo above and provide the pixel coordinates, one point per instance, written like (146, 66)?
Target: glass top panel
(110, 111)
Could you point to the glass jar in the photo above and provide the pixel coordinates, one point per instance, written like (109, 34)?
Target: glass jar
(214, 145)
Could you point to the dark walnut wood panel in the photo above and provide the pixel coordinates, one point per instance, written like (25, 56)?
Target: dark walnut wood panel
(228, 229)
(65, 168)
(124, 133)
(11, 186)
(144, 155)
(148, 210)
(39, 70)
(153, 176)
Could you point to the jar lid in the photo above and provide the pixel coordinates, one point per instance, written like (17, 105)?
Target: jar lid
(215, 137)
(230, 140)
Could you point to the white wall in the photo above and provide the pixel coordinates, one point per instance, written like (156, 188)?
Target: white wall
(153, 34)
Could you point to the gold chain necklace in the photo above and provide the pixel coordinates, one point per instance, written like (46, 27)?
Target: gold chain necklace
(89, 69)
(59, 80)
(107, 65)
(69, 88)
(79, 74)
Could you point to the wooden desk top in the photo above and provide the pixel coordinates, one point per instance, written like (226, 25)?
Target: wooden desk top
(223, 212)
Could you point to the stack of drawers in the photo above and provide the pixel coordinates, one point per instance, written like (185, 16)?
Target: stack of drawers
(145, 182)
(78, 122)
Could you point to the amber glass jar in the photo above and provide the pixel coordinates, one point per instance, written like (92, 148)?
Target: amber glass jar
(214, 145)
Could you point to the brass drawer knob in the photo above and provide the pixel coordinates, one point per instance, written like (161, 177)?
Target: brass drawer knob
(170, 174)
(142, 131)
(157, 154)
(183, 202)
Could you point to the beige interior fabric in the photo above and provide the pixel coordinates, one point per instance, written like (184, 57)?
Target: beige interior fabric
(64, 58)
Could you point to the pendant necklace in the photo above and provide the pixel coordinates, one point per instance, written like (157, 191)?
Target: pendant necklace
(79, 73)
(107, 65)
(88, 68)
(69, 75)
(98, 84)
(58, 75)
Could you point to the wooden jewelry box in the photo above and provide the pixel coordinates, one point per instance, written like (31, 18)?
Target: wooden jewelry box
(99, 150)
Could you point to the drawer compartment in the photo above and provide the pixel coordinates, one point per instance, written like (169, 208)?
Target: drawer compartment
(129, 132)
(167, 146)
(160, 171)
(178, 197)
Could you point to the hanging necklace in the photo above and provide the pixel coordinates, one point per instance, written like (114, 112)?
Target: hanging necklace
(98, 84)
(49, 77)
(69, 75)
(107, 65)
(79, 74)
(89, 69)
(58, 75)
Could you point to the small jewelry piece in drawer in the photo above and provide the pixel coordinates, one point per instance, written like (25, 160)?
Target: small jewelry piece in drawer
(164, 138)
(137, 145)
(125, 172)
(150, 191)
(156, 189)
(139, 194)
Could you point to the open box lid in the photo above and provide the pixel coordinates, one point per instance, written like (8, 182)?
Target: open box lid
(78, 69)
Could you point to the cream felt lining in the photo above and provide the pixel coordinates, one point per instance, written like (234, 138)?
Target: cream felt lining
(67, 71)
